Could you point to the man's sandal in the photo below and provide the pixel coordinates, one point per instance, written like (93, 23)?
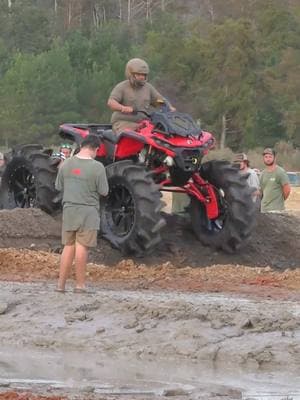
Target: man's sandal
(80, 290)
(60, 290)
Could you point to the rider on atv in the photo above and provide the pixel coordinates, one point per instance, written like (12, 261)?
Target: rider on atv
(135, 93)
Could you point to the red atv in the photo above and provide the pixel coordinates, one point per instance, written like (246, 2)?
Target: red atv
(164, 153)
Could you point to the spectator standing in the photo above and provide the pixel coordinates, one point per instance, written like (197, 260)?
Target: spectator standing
(274, 183)
(82, 181)
(180, 202)
(252, 180)
(2, 163)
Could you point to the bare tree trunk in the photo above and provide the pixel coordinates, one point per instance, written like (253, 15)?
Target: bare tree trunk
(55, 6)
(95, 16)
(69, 13)
(128, 11)
(120, 10)
(211, 11)
(223, 132)
(148, 10)
(104, 14)
(80, 14)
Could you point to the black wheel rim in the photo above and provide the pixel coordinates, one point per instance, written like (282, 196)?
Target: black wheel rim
(120, 210)
(23, 188)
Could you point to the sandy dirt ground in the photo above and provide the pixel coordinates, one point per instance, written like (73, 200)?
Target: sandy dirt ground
(185, 323)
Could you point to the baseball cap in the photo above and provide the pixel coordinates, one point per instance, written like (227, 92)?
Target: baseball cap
(240, 157)
(268, 150)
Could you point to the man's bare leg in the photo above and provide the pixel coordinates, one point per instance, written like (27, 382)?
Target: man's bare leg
(66, 261)
(81, 254)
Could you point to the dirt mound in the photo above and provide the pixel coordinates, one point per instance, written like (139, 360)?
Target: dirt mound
(28, 228)
(27, 396)
(23, 265)
(275, 241)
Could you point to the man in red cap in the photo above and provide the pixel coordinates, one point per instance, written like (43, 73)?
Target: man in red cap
(274, 183)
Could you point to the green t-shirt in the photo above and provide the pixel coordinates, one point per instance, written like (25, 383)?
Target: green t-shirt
(271, 183)
(140, 98)
(82, 182)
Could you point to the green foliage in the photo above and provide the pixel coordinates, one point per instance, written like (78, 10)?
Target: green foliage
(231, 61)
(30, 28)
(37, 94)
(277, 29)
(95, 86)
(284, 84)
(5, 58)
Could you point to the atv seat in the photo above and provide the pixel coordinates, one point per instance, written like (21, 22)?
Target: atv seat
(109, 135)
(113, 137)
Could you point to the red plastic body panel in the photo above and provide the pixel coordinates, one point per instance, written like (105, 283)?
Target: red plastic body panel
(145, 134)
(127, 147)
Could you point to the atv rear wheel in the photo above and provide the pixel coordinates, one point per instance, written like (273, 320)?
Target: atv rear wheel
(130, 214)
(29, 180)
(237, 210)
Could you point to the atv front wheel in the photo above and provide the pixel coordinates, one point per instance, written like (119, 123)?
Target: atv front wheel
(237, 210)
(29, 180)
(130, 214)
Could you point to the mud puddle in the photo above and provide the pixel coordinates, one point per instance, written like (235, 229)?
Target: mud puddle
(84, 373)
(146, 343)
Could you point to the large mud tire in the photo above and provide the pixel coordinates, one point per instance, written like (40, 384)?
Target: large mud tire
(236, 221)
(130, 215)
(29, 180)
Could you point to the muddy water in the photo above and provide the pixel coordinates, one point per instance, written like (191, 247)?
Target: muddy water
(148, 343)
(67, 371)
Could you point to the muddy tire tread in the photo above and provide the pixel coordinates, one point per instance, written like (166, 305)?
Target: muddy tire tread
(32, 157)
(145, 233)
(239, 224)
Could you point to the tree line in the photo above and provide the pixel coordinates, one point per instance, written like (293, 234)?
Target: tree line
(232, 65)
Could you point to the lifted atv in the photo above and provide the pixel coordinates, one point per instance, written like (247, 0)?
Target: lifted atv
(164, 153)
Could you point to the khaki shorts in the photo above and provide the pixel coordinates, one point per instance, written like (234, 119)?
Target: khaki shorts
(87, 238)
(119, 126)
(179, 202)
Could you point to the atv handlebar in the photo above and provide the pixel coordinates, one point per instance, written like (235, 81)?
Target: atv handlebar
(135, 112)
(164, 106)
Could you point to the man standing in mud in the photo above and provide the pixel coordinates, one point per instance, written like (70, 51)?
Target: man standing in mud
(82, 181)
(274, 183)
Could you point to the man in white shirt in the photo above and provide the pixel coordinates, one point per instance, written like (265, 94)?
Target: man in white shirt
(253, 180)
